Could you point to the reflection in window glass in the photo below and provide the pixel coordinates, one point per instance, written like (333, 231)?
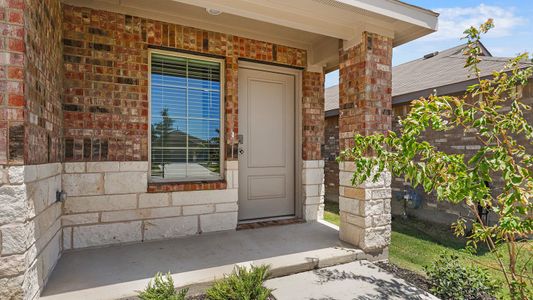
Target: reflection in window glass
(185, 118)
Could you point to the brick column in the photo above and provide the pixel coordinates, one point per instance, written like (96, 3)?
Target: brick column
(312, 140)
(365, 105)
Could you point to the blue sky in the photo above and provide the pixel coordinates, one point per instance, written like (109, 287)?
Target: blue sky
(513, 33)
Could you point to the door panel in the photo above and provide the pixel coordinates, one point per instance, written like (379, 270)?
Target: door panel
(266, 154)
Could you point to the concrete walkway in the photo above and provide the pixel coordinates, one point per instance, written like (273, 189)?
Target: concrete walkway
(119, 271)
(360, 280)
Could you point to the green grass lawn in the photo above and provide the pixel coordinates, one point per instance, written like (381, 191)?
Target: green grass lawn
(416, 244)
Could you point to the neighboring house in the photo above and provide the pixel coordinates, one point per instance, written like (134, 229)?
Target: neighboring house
(84, 82)
(442, 73)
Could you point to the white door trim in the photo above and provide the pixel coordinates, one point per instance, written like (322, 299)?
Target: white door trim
(298, 200)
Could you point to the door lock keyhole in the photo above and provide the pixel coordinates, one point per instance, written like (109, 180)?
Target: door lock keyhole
(241, 151)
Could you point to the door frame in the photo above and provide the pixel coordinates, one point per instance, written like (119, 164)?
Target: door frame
(298, 130)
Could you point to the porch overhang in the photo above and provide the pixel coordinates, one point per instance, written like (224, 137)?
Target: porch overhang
(313, 25)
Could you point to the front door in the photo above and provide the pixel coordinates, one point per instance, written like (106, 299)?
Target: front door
(266, 149)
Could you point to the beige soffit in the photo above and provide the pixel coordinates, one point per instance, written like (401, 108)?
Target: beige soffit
(314, 25)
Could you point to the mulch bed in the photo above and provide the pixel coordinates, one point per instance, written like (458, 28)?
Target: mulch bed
(413, 278)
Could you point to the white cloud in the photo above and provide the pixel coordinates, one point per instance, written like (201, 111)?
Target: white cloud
(454, 20)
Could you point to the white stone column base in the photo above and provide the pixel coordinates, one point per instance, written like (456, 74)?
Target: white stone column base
(313, 189)
(365, 216)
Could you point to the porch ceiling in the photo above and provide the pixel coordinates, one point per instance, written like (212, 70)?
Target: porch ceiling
(314, 25)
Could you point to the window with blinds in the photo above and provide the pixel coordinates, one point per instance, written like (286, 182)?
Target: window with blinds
(185, 118)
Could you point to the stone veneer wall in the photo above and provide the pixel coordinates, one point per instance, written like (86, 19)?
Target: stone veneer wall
(30, 228)
(108, 204)
(365, 104)
(453, 141)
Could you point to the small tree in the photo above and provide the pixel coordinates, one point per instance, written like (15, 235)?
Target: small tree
(457, 179)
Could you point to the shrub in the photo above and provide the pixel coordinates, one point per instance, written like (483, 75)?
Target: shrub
(242, 284)
(162, 289)
(451, 279)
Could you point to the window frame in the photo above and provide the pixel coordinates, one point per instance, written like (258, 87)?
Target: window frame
(220, 61)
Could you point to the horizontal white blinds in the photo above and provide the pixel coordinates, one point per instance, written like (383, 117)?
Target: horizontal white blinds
(185, 118)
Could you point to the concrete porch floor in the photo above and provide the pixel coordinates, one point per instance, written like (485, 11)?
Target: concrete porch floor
(120, 271)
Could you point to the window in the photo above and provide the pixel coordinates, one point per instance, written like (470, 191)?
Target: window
(185, 98)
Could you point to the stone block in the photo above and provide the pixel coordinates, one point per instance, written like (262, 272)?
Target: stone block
(12, 287)
(235, 177)
(355, 193)
(311, 212)
(310, 164)
(14, 205)
(376, 238)
(100, 203)
(79, 219)
(48, 170)
(384, 193)
(50, 254)
(83, 184)
(170, 227)
(38, 193)
(67, 238)
(348, 166)
(46, 236)
(74, 167)
(126, 182)
(218, 222)
(46, 219)
(204, 197)
(102, 166)
(134, 166)
(154, 200)
(387, 206)
(311, 190)
(359, 221)
(227, 207)
(381, 220)
(350, 234)
(198, 209)
(139, 214)
(30, 173)
(349, 205)
(232, 164)
(16, 174)
(17, 238)
(371, 208)
(345, 178)
(313, 200)
(106, 234)
(31, 282)
(12, 265)
(312, 176)
(229, 178)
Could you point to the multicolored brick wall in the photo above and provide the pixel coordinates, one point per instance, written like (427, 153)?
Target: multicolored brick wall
(313, 115)
(365, 86)
(30, 82)
(43, 82)
(12, 82)
(106, 79)
(330, 153)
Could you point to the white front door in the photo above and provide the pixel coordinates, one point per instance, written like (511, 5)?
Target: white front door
(266, 149)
